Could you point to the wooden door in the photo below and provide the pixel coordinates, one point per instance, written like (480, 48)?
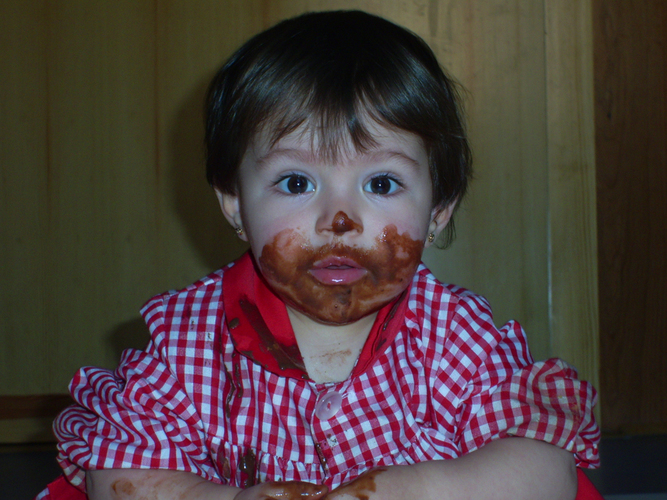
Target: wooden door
(631, 162)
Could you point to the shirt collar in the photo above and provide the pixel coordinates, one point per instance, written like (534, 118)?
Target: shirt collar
(261, 330)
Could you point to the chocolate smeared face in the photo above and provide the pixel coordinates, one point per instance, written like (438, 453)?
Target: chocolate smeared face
(337, 233)
(336, 283)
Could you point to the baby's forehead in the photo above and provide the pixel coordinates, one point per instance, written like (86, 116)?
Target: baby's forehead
(311, 143)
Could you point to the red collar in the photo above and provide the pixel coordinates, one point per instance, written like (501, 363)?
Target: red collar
(261, 330)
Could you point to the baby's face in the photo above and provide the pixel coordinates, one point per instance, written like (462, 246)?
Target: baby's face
(335, 238)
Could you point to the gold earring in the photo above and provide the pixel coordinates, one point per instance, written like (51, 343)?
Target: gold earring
(431, 237)
(239, 230)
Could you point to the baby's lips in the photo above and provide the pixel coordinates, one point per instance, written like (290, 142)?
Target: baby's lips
(335, 261)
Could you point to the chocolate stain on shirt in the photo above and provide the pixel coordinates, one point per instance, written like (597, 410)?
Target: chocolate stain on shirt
(323, 459)
(248, 467)
(226, 470)
(236, 383)
(286, 356)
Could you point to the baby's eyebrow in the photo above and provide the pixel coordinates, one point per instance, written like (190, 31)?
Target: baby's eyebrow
(390, 154)
(308, 157)
(301, 156)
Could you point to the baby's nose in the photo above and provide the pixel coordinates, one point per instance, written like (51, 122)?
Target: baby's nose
(341, 224)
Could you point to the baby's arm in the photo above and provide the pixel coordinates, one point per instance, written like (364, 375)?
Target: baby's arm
(126, 484)
(511, 468)
(122, 484)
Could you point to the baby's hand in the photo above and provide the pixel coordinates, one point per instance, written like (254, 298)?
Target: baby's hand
(288, 490)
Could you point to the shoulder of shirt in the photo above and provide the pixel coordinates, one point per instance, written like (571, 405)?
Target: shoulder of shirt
(213, 279)
(199, 290)
(439, 313)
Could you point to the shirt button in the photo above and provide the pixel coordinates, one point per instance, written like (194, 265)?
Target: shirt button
(328, 406)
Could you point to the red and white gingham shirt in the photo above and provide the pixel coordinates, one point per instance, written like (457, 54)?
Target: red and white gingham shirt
(211, 394)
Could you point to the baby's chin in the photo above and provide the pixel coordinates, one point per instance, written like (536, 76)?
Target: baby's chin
(339, 305)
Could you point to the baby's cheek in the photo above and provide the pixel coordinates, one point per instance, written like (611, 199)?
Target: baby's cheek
(399, 250)
(286, 257)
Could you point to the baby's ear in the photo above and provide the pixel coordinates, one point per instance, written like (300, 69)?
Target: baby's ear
(440, 217)
(231, 209)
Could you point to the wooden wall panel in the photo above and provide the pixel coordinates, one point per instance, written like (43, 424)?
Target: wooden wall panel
(101, 196)
(102, 172)
(102, 176)
(496, 49)
(193, 41)
(573, 299)
(23, 193)
(631, 147)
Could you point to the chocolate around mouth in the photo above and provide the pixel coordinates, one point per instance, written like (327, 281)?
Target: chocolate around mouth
(385, 271)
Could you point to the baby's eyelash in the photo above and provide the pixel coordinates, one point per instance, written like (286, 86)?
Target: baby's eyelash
(391, 177)
(294, 183)
(385, 184)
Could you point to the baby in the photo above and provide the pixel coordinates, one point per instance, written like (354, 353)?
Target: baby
(328, 362)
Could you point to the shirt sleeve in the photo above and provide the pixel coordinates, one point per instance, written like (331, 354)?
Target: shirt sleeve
(138, 416)
(508, 394)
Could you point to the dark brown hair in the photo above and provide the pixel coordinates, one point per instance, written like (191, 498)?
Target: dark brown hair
(333, 70)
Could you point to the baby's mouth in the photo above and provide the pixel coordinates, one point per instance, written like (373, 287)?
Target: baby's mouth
(336, 270)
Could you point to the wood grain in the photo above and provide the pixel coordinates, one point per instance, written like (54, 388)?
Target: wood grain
(631, 145)
(29, 419)
(33, 406)
(104, 201)
(571, 159)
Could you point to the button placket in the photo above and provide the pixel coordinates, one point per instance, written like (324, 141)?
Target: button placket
(326, 409)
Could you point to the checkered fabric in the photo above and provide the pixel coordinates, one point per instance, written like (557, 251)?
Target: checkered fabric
(447, 383)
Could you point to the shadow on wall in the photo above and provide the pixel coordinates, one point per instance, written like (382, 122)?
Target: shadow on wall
(193, 199)
(130, 334)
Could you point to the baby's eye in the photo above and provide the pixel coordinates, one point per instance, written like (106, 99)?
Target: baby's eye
(382, 184)
(295, 184)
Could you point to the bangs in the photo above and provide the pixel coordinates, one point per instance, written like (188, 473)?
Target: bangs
(331, 129)
(337, 94)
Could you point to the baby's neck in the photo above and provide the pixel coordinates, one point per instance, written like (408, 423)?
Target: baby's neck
(329, 351)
